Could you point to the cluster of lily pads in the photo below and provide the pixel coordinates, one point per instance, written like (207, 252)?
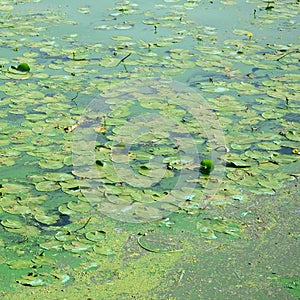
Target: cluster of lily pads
(134, 153)
(137, 150)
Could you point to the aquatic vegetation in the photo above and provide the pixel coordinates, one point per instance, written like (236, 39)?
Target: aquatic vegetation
(104, 148)
(23, 67)
(207, 166)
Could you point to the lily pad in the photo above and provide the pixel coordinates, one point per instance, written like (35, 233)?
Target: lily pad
(56, 176)
(31, 280)
(20, 264)
(210, 228)
(43, 260)
(104, 250)
(47, 186)
(95, 236)
(77, 247)
(293, 135)
(12, 224)
(79, 206)
(44, 219)
(51, 164)
(161, 242)
(15, 188)
(272, 115)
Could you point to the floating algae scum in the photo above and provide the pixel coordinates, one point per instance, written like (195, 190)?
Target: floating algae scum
(110, 117)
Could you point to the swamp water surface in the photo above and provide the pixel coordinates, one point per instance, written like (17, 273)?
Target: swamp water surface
(101, 192)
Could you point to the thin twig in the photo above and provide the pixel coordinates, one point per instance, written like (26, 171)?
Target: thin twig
(85, 224)
(77, 93)
(181, 275)
(74, 98)
(123, 59)
(287, 53)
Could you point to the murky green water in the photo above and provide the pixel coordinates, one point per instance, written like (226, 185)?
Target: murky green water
(102, 194)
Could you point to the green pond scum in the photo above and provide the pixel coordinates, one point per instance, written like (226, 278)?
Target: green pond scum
(149, 149)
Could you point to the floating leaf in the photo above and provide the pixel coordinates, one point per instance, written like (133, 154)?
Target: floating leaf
(20, 264)
(51, 164)
(43, 260)
(84, 10)
(31, 280)
(44, 219)
(47, 186)
(17, 209)
(77, 246)
(64, 210)
(51, 245)
(12, 224)
(269, 146)
(14, 188)
(293, 135)
(209, 228)
(56, 176)
(79, 206)
(104, 250)
(95, 236)
(272, 115)
(160, 242)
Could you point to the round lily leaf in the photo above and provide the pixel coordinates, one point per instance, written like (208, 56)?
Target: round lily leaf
(17, 209)
(268, 166)
(272, 115)
(51, 164)
(77, 247)
(51, 245)
(20, 264)
(270, 183)
(161, 242)
(103, 250)
(31, 280)
(18, 75)
(25, 230)
(56, 176)
(43, 260)
(12, 224)
(79, 206)
(47, 186)
(239, 147)
(14, 188)
(48, 220)
(95, 236)
(124, 25)
(63, 236)
(269, 146)
(64, 210)
(155, 171)
(293, 135)
(255, 154)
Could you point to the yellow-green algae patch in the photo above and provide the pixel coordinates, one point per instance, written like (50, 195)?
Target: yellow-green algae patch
(134, 279)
